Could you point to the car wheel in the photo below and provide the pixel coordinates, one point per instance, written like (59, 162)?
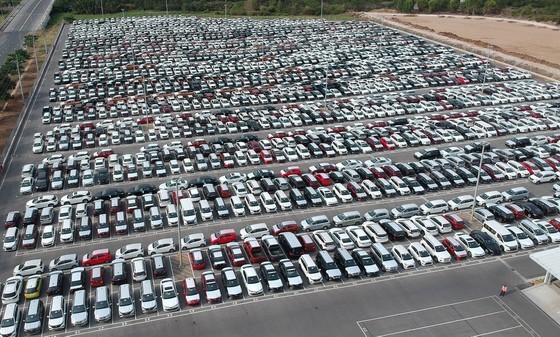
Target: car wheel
(67, 203)
(307, 230)
(325, 228)
(202, 245)
(469, 254)
(51, 205)
(537, 182)
(84, 200)
(171, 250)
(456, 209)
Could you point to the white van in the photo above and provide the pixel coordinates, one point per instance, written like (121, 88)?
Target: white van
(310, 269)
(505, 239)
(434, 206)
(485, 128)
(435, 248)
(255, 230)
(163, 198)
(188, 212)
(156, 221)
(205, 210)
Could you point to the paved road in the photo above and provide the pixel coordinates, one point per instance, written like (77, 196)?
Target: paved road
(27, 20)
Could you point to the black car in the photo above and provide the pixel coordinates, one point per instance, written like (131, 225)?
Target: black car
(297, 197)
(103, 176)
(259, 174)
(109, 193)
(486, 242)
(502, 213)
(484, 177)
(477, 147)
(531, 210)
(545, 206)
(296, 181)
(337, 177)
(516, 142)
(466, 175)
(428, 153)
(42, 182)
(142, 189)
(417, 167)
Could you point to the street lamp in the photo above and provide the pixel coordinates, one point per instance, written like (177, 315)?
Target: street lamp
(101, 8)
(122, 9)
(166, 8)
(478, 179)
(322, 9)
(179, 224)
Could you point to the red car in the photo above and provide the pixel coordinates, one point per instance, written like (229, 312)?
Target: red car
(197, 259)
(254, 250)
(387, 143)
(392, 171)
(224, 190)
(97, 278)
(455, 221)
(531, 167)
(235, 253)
(322, 168)
(323, 179)
(307, 242)
(145, 120)
(227, 160)
(103, 153)
(517, 211)
(379, 173)
(291, 170)
(285, 226)
(98, 256)
(555, 164)
(556, 223)
(223, 236)
(454, 248)
(190, 291)
(310, 180)
(266, 157)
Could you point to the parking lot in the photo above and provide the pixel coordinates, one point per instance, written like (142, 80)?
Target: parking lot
(119, 117)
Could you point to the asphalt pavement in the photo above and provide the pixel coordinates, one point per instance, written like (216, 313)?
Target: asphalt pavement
(27, 20)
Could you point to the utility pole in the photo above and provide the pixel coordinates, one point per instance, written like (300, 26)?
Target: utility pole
(179, 212)
(166, 8)
(19, 78)
(101, 8)
(35, 54)
(477, 180)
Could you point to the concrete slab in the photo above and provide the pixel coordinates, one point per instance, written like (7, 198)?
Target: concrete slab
(546, 297)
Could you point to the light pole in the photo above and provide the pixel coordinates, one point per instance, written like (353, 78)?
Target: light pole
(166, 8)
(477, 180)
(19, 78)
(122, 9)
(225, 9)
(101, 8)
(180, 216)
(322, 9)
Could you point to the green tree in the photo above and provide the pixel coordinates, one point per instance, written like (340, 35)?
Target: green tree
(6, 84)
(453, 5)
(491, 7)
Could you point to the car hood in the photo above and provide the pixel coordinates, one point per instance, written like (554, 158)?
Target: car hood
(236, 290)
(170, 302)
(79, 318)
(7, 331)
(101, 314)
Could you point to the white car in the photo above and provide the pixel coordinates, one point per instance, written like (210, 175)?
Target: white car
(420, 254)
(523, 240)
(161, 246)
(268, 202)
(341, 238)
(29, 267)
(349, 164)
(47, 200)
(282, 200)
(342, 193)
(549, 230)
(291, 274)
(67, 231)
(434, 206)
(425, 225)
(88, 178)
(194, 240)
(470, 245)
(251, 280)
(253, 204)
(490, 197)
(130, 251)
(358, 236)
(76, 198)
(461, 202)
(290, 154)
(542, 177)
(26, 185)
(328, 197)
(12, 290)
(172, 185)
(169, 298)
(48, 237)
(403, 257)
(233, 177)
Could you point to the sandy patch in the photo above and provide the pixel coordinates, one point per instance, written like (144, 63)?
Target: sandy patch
(536, 41)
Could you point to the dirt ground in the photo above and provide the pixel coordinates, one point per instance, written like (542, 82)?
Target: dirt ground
(531, 41)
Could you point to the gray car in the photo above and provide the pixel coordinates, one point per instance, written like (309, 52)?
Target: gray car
(405, 211)
(64, 262)
(102, 308)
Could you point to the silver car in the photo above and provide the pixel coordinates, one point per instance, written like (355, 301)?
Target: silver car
(102, 308)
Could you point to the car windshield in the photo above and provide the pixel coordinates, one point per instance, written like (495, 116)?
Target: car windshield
(7, 322)
(539, 231)
(406, 256)
(67, 230)
(291, 272)
(552, 230)
(148, 297)
(125, 301)
(79, 308)
(9, 239)
(440, 248)
(508, 237)
(54, 314)
(313, 269)
(170, 293)
(101, 305)
(252, 279)
(273, 275)
(473, 244)
(387, 257)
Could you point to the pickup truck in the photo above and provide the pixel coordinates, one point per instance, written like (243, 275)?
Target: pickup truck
(254, 250)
